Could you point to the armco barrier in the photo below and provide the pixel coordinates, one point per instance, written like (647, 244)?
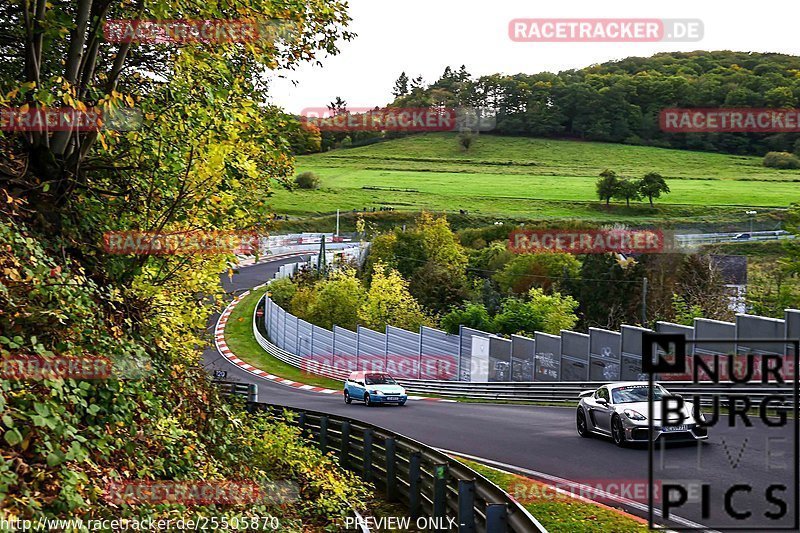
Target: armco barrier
(473, 355)
(428, 482)
(564, 392)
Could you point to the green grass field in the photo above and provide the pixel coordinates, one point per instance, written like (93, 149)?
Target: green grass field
(533, 179)
(559, 513)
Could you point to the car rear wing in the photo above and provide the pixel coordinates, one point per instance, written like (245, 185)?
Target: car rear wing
(585, 393)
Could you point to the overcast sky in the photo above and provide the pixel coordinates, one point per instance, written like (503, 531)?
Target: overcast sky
(424, 36)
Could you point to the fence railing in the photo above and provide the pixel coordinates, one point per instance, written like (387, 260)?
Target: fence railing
(565, 392)
(473, 355)
(428, 482)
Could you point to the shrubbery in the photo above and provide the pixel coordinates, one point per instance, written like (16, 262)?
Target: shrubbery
(156, 418)
(781, 160)
(307, 180)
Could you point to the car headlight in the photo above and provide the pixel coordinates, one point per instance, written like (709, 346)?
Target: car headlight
(375, 392)
(634, 415)
(701, 416)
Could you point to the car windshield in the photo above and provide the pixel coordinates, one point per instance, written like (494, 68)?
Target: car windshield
(379, 379)
(635, 393)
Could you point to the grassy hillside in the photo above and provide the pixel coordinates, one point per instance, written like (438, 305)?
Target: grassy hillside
(536, 178)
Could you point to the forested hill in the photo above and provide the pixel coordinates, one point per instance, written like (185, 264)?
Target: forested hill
(701, 62)
(620, 101)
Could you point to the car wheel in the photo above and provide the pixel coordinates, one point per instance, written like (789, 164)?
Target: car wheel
(583, 429)
(402, 404)
(367, 401)
(617, 431)
(347, 398)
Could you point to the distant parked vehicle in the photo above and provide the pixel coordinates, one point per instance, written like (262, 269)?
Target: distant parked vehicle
(742, 236)
(373, 388)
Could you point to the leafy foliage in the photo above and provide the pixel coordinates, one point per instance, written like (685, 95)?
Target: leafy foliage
(782, 160)
(430, 256)
(620, 101)
(474, 316)
(652, 185)
(155, 418)
(336, 301)
(629, 190)
(542, 270)
(540, 312)
(282, 291)
(608, 185)
(389, 302)
(203, 158)
(307, 180)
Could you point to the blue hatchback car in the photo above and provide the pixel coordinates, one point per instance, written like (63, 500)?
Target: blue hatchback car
(373, 388)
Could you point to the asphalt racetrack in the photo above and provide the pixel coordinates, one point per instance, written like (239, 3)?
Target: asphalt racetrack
(542, 442)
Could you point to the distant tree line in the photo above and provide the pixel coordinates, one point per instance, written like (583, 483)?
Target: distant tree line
(617, 101)
(620, 101)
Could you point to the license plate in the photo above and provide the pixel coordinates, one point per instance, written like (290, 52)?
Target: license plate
(393, 398)
(672, 429)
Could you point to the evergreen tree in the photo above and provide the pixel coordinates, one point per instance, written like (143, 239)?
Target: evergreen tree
(401, 86)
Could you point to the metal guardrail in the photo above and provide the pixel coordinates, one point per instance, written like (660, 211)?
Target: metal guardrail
(247, 390)
(564, 392)
(713, 238)
(428, 482)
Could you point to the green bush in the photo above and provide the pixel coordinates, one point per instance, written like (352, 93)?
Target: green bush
(156, 417)
(282, 291)
(781, 160)
(307, 180)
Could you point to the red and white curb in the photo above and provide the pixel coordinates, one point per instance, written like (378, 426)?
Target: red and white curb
(222, 348)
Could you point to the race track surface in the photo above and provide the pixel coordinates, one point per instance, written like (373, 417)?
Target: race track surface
(544, 440)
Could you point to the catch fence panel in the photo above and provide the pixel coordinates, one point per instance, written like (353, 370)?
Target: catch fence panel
(439, 356)
(304, 339)
(759, 327)
(604, 351)
(523, 357)
(322, 346)
(574, 356)
(290, 332)
(402, 354)
(548, 357)
(371, 350)
(499, 359)
(465, 370)
(345, 348)
(631, 369)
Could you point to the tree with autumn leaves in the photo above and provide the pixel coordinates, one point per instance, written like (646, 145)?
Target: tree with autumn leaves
(203, 157)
